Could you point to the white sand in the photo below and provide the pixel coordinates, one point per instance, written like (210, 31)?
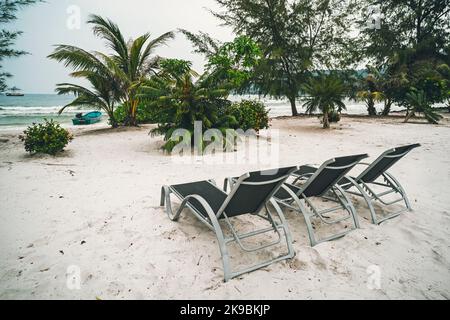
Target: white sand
(104, 192)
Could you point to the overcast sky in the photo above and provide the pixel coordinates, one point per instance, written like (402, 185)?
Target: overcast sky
(46, 24)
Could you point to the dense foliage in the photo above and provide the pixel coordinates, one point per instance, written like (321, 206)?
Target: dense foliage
(250, 115)
(48, 137)
(417, 102)
(296, 38)
(283, 48)
(9, 9)
(410, 50)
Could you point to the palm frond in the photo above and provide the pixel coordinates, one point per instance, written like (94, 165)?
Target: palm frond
(76, 58)
(110, 31)
(159, 41)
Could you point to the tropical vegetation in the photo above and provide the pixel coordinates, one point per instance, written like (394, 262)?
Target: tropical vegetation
(9, 10)
(325, 93)
(298, 50)
(115, 78)
(48, 138)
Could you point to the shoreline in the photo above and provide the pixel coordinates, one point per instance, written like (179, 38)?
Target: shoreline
(395, 115)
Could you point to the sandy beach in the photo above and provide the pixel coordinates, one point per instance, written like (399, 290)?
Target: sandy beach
(96, 207)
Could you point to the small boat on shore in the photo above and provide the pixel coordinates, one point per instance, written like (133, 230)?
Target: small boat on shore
(88, 118)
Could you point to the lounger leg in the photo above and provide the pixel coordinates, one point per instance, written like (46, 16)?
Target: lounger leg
(165, 200)
(287, 232)
(368, 200)
(213, 224)
(219, 235)
(306, 215)
(309, 226)
(348, 205)
(223, 249)
(400, 189)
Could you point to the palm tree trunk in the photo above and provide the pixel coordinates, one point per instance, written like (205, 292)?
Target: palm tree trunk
(293, 105)
(409, 115)
(387, 107)
(133, 109)
(326, 120)
(130, 107)
(371, 107)
(113, 120)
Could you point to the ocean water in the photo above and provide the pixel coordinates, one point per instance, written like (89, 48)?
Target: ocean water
(34, 108)
(20, 112)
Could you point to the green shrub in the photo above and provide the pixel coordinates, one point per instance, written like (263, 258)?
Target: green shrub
(334, 116)
(47, 137)
(171, 142)
(145, 114)
(250, 114)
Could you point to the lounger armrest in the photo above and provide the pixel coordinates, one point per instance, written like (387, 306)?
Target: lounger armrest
(314, 165)
(301, 176)
(363, 163)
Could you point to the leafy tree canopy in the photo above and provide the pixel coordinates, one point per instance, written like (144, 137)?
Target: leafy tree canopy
(8, 13)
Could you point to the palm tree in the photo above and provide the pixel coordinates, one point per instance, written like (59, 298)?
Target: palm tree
(370, 98)
(176, 91)
(129, 65)
(102, 96)
(98, 70)
(417, 102)
(371, 91)
(189, 99)
(134, 59)
(325, 94)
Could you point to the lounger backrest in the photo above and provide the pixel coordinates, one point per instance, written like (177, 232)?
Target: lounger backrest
(384, 163)
(254, 190)
(330, 173)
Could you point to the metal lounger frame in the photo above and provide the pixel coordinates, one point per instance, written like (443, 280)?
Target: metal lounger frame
(370, 196)
(335, 193)
(335, 190)
(212, 222)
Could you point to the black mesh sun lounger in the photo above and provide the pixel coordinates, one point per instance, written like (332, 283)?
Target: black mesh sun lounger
(251, 194)
(376, 174)
(321, 183)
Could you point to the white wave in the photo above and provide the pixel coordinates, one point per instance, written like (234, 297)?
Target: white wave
(34, 111)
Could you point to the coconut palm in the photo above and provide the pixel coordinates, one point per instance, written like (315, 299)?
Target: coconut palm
(324, 94)
(371, 91)
(98, 70)
(189, 99)
(101, 96)
(177, 92)
(130, 62)
(370, 98)
(134, 59)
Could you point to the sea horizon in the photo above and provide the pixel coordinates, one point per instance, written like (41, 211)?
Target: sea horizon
(19, 112)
